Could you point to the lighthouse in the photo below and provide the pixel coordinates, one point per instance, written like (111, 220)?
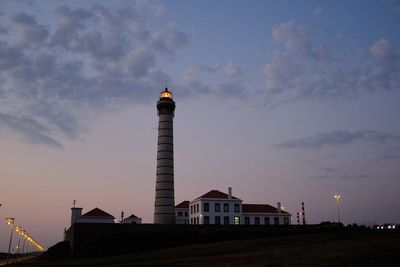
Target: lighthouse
(164, 206)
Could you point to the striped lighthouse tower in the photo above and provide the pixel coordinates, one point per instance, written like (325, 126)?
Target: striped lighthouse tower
(164, 209)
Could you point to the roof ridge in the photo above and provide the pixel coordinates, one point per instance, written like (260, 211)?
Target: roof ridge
(96, 212)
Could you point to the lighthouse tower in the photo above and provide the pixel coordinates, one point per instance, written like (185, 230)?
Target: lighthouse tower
(164, 210)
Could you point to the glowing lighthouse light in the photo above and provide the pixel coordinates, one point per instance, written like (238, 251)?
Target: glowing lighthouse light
(166, 94)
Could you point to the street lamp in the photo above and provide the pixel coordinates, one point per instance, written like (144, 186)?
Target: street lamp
(24, 234)
(10, 221)
(19, 231)
(337, 197)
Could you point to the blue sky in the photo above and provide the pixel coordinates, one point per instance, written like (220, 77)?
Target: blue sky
(284, 101)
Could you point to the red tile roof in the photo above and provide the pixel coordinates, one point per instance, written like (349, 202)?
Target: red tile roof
(259, 208)
(183, 205)
(215, 194)
(96, 212)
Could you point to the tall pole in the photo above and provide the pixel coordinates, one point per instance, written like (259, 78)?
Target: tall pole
(23, 245)
(10, 221)
(303, 213)
(164, 205)
(337, 197)
(19, 241)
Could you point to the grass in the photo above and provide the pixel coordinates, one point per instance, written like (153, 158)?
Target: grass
(355, 248)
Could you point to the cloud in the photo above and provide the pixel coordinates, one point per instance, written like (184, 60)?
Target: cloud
(352, 177)
(340, 177)
(328, 169)
(302, 71)
(282, 73)
(29, 129)
(140, 62)
(396, 9)
(299, 39)
(27, 29)
(383, 50)
(230, 69)
(383, 73)
(317, 12)
(9, 56)
(389, 157)
(339, 138)
(190, 74)
(168, 40)
(231, 90)
(90, 60)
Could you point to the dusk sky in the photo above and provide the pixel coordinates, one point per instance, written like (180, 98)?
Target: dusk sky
(284, 101)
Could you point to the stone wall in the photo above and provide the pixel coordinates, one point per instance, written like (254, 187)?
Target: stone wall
(95, 239)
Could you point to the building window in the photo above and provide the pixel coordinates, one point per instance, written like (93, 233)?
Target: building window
(191, 220)
(247, 220)
(217, 207)
(206, 220)
(276, 220)
(226, 207)
(237, 208)
(266, 220)
(237, 220)
(191, 209)
(256, 220)
(286, 220)
(217, 220)
(197, 207)
(186, 214)
(226, 219)
(180, 214)
(206, 207)
(197, 220)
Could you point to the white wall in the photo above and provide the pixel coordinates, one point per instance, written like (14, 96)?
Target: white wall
(182, 219)
(271, 217)
(200, 214)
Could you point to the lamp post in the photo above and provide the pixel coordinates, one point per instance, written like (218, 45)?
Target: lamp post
(10, 221)
(23, 243)
(337, 197)
(19, 231)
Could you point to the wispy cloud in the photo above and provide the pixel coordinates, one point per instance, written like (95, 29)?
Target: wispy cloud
(230, 69)
(29, 129)
(339, 138)
(328, 169)
(90, 59)
(352, 177)
(299, 39)
(338, 177)
(389, 157)
(306, 70)
(317, 12)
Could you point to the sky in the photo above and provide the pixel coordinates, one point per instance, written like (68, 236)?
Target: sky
(284, 101)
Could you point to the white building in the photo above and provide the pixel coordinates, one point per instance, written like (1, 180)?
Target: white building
(216, 207)
(264, 214)
(133, 219)
(96, 215)
(182, 213)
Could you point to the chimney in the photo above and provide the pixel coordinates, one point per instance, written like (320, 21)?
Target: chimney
(229, 192)
(75, 215)
(278, 207)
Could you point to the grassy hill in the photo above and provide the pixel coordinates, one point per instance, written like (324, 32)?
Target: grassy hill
(365, 248)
